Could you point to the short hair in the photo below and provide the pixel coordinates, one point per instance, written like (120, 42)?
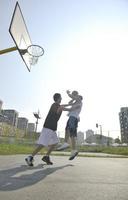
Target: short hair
(75, 93)
(56, 96)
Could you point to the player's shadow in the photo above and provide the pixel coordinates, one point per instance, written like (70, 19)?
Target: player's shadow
(10, 180)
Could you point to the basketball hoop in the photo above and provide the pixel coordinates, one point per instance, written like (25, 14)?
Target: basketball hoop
(34, 52)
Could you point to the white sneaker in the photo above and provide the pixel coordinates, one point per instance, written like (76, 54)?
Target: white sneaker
(73, 154)
(63, 146)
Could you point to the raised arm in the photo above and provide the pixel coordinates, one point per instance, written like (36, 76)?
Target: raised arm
(73, 95)
(69, 94)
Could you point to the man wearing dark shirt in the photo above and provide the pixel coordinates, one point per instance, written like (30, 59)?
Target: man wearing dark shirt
(48, 137)
(52, 117)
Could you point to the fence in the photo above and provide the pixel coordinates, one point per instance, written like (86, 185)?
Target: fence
(10, 134)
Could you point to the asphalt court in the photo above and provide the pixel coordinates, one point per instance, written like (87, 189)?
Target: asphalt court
(83, 178)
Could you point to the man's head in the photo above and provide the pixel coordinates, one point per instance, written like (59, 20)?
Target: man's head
(80, 97)
(74, 95)
(57, 97)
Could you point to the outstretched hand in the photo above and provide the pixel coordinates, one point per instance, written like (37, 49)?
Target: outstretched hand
(68, 92)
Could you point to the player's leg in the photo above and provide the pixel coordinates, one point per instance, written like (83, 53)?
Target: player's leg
(30, 159)
(73, 142)
(66, 139)
(65, 145)
(73, 136)
(51, 141)
(41, 143)
(74, 151)
(46, 158)
(39, 147)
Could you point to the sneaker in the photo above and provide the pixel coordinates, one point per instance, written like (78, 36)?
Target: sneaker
(63, 146)
(73, 155)
(29, 160)
(47, 160)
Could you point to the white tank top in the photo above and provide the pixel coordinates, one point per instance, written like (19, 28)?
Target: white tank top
(76, 112)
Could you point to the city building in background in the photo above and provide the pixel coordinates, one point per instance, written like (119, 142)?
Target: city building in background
(31, 127)
(98, 139)
(89, 133)
(1, 104)
(123, 118)
(10, 116)
(12, 125)
(1, 116)
(80, 138)
(22, 123)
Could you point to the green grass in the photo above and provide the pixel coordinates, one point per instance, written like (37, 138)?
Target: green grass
(10, 149)
(116, 150)
(109, 150)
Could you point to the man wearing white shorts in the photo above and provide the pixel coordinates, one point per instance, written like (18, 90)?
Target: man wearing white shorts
(48, 137)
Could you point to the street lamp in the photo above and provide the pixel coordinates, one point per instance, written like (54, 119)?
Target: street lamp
(108, 139)
(98, 125)
(37, 116)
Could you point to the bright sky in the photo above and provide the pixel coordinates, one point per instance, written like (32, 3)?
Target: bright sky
(86, 47)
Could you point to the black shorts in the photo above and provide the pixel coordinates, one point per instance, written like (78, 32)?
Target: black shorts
(71, 126)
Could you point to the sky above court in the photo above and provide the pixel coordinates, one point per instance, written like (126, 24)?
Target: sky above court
(86, 46)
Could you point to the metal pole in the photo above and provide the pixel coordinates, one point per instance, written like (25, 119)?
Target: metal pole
(8, 50)
(100, 134)
(108, 138)
(36, 125)
(100, 130)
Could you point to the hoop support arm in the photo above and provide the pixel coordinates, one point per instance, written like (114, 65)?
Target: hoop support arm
(8, 50)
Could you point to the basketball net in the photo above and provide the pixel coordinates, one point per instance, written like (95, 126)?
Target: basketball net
(33, 60)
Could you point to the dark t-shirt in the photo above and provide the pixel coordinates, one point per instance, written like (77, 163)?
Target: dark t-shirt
(52, 117)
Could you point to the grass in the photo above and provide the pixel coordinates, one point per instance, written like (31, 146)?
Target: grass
(109, 150)
(11, 149)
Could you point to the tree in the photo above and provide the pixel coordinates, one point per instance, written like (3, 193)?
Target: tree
(117, 140)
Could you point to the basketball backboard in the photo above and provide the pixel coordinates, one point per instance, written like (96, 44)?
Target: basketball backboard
(20, 35)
